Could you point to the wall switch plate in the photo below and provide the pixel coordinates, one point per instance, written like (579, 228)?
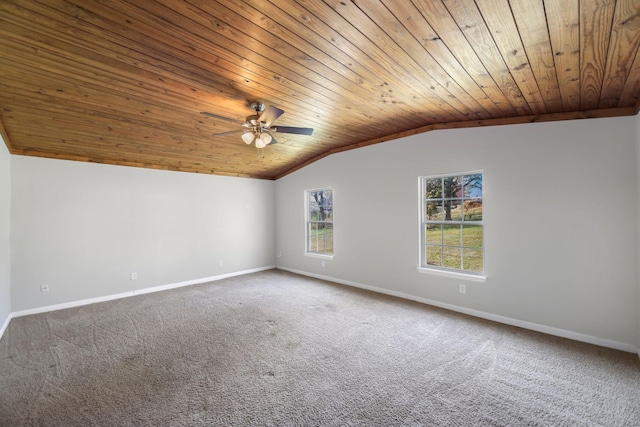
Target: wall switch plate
(134, 276)
(462, 288)
(44, 288)
(221, 263)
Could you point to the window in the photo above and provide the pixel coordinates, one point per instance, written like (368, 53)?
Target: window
(319, 236)
(451, 223)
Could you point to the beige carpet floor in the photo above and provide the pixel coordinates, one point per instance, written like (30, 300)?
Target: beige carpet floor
(277, 349)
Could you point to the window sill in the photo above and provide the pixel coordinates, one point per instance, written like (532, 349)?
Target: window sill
(453, 274)
(315, 255)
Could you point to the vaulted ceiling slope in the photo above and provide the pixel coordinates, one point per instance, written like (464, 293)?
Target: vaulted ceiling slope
(125, 81)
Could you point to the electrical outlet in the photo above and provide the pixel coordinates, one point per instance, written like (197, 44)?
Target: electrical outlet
(221, 263)
(279, 255)
(44, 288)
(462, 288)
(134, 276)
(324, 263)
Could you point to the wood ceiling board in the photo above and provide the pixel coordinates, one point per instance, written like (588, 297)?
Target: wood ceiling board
(624, 42)
(596, 19)
(563, 17)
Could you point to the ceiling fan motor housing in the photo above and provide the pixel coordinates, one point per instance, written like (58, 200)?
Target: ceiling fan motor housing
(252, 121)
(258, 107)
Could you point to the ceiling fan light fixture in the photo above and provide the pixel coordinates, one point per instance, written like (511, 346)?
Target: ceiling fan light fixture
(266, 138)
(248, 137)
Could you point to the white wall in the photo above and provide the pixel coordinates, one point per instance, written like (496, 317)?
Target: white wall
(561, 200)
(5, 227)
(82, 228)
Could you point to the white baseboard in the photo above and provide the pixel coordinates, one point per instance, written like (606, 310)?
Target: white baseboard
(576, 336)
(71, 304)
(6, 323)
(481, 314)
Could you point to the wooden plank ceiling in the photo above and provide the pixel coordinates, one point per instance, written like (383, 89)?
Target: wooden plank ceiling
(124, 81)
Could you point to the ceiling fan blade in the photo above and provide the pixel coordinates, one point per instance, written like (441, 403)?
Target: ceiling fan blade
(231, 132)
(289, 129)
(215, 116)
(270, 115)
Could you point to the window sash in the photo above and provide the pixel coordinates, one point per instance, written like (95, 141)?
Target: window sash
(319, 240)
(319, 234)
(451, 253)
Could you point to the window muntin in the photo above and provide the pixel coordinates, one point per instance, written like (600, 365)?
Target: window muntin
(452, 232)
(319, 234)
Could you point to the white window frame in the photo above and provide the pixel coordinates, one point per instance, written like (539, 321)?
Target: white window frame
(422, 222)
(307, 220)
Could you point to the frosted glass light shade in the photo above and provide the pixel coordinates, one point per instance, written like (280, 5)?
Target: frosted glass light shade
(247, 137)
(266, 138)
(260, 143)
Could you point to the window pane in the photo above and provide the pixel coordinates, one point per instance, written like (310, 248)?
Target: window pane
(453, 210)
(327, 213)
(312, 239)
(434, 234)
(313, 208)
(473, 186)
(452, 257)
(452, 187)
(473, 210)
(326, 233)
(434, 211)
(472, 236)
(451, 235)
(472, 259)
(326, 205)
(434, 255)
(433, 188)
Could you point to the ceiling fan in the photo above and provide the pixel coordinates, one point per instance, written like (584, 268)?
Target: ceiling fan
(259, 127)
